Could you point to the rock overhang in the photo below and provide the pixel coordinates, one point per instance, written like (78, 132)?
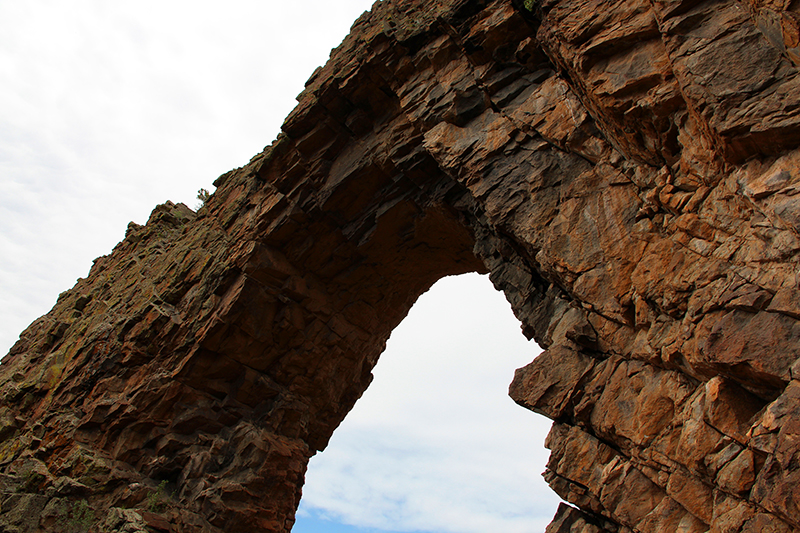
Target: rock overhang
(624, 171)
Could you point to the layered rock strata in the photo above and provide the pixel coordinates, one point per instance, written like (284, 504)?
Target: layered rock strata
(627, 174)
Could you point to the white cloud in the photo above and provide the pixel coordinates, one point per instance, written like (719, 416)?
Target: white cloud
(435, 444)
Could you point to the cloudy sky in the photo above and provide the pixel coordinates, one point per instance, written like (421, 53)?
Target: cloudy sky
(109, 108)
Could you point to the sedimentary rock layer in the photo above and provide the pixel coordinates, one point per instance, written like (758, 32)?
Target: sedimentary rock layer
(627, 174)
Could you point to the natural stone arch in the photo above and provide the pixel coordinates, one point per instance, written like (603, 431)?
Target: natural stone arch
(435, 442)
(591, 159)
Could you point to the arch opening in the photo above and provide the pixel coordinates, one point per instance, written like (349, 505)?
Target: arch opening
(435, 443)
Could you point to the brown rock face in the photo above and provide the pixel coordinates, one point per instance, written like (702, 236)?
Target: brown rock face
(627, 172)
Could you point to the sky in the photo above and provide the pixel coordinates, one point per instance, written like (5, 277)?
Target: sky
(110, 108)
(435, 444)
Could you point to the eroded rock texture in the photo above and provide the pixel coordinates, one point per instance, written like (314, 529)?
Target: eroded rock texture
(627, 173)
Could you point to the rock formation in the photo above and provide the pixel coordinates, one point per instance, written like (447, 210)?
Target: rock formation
(627, 173)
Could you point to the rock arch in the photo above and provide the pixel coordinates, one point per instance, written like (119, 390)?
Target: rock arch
(625, 172)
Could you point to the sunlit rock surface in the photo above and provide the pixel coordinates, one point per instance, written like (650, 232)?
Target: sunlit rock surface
(626, 172)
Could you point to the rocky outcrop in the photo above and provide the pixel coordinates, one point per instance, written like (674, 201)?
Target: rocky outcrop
(626, 172)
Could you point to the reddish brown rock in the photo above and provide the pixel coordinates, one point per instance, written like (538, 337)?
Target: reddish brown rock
(626, 173)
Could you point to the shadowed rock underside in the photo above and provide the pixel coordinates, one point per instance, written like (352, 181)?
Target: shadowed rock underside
(627, 174)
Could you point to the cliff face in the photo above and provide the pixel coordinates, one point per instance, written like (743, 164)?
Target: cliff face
(625, 171)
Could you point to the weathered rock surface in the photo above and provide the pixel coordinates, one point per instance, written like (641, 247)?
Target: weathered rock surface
(627, 172)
